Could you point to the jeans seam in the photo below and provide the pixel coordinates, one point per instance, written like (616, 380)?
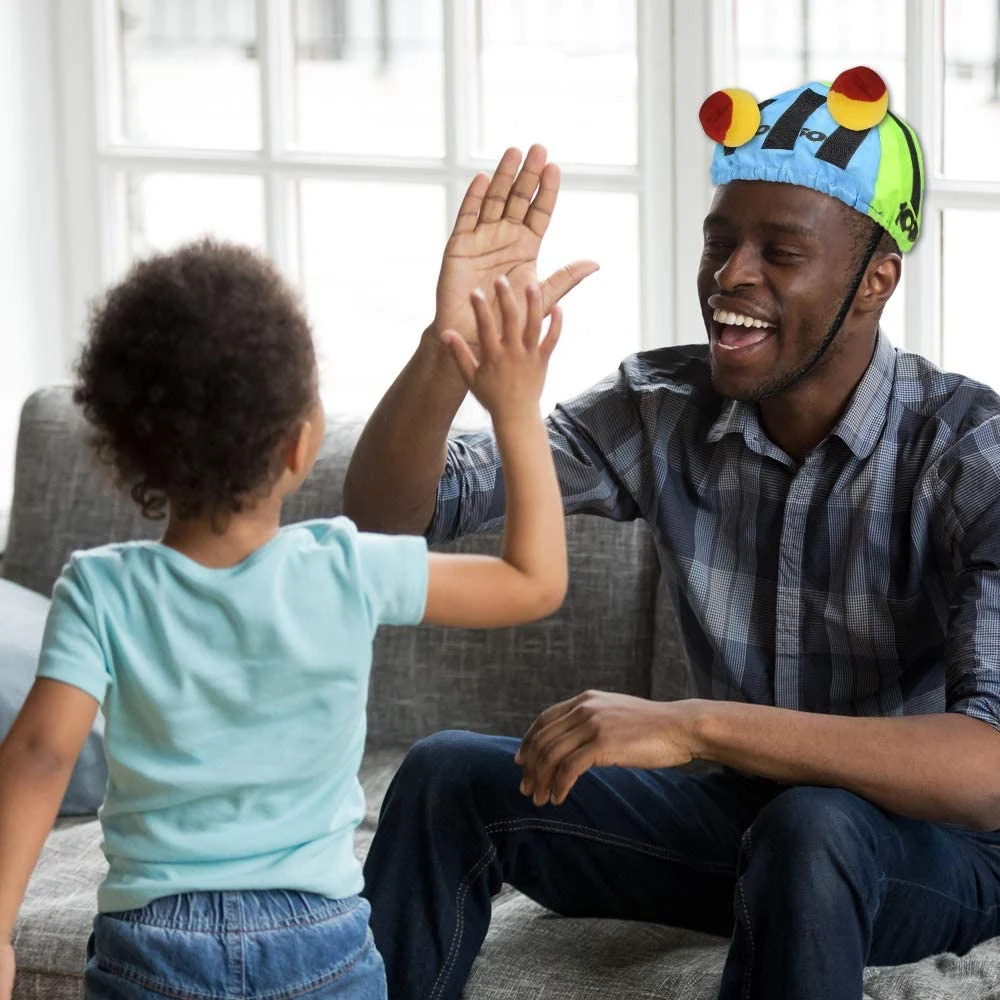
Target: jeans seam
(456, 938)
(549, 826)
(746, 919)
(943, 895)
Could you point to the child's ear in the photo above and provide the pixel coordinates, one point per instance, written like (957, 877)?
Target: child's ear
(297, 456)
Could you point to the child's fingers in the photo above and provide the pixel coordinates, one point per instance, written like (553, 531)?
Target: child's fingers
(552, 337)
(533, 323)
(462, 354)
(489, 339)
(509, 313)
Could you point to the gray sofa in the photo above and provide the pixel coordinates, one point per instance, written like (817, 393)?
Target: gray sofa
(616, 631)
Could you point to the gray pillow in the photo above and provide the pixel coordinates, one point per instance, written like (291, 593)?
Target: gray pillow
(22, 622)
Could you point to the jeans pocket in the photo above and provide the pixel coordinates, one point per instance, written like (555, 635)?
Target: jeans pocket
(129, 960)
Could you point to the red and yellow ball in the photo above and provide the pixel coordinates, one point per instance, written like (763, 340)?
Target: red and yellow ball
(730, 116)
(858, 99)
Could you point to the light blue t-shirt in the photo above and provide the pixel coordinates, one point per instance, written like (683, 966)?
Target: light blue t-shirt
(234, 703)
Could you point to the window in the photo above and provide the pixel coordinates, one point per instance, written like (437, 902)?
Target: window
(339, 136)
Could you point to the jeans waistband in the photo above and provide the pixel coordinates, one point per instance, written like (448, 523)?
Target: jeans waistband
(234, 911)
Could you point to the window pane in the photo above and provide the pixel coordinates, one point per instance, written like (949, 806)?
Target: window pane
(782, 44)
(189, 73)
(166, 209)
(972, 89)
(562, 72)
(601, 322)
(369, 76)
(369, 280)
(969, 345)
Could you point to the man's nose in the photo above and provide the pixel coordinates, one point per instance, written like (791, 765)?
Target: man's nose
(742, 267)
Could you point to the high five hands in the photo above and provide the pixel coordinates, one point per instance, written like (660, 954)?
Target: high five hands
(498, 233)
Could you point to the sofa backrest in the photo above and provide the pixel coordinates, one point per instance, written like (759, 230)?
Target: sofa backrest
(613, 632)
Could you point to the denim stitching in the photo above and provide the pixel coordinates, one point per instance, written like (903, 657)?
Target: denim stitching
(456, 937)
(549, 826)
(746, 918)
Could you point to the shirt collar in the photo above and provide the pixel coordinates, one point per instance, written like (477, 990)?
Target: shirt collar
(860, 426)
(864, 419)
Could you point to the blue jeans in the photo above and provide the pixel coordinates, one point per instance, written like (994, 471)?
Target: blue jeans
(810, 884)
(220, 945)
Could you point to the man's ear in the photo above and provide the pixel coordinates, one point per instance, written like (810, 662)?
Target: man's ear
(880, 282)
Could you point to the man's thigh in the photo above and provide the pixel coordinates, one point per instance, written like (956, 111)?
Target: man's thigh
(661, 846)
(940, 891)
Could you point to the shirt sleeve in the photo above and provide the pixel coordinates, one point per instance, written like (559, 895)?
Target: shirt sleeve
(596, 438)
(71, 649)
(393, 575)
(968, 485)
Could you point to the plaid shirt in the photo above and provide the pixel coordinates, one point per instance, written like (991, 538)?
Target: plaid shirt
(863, 581)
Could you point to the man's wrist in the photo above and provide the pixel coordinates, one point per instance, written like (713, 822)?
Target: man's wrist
(702, 730)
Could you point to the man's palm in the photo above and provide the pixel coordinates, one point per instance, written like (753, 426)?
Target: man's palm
(499, 231)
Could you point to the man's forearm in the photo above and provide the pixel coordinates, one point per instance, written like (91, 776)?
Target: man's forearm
(943, 767)
(392, 478)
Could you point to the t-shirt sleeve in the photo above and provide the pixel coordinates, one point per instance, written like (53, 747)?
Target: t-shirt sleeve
(393, 577)
(71, 650)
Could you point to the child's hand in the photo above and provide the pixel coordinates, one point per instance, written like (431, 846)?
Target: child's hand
(510, 374)
(6, 970)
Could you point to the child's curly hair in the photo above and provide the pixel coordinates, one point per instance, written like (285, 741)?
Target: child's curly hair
(198, 368)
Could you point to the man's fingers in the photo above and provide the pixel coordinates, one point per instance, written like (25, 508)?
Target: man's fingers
(550, 758)
(575, 764)
(525, 185)
(557, 284)
(555, 329)
(544, 204)
(534, 751)
(489, 340)
(462, 354)
(500, 184)
(468, 212)
(542, 720)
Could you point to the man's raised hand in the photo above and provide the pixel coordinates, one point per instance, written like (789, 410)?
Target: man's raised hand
(498, 232)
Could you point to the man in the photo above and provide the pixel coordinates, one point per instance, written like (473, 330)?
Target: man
(828, 511)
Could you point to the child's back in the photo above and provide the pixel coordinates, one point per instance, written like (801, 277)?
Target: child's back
(235, 700)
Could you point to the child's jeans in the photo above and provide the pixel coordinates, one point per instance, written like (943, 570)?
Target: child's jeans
(264, 945)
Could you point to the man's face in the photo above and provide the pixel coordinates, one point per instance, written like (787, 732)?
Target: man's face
(780, 258)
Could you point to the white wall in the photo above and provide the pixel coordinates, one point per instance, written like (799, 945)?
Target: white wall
(32, 335)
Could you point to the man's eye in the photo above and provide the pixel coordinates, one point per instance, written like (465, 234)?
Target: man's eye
(782, 254)
(715, 246)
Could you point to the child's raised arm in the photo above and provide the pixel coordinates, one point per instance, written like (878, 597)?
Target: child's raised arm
(528, 580)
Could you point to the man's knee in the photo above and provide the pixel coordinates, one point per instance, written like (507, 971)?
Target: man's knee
(453, 763)
(812, 830)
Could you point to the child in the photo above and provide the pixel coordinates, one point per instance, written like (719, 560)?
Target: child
(232, 657)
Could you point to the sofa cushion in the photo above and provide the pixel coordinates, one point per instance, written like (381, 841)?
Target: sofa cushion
(22, 622)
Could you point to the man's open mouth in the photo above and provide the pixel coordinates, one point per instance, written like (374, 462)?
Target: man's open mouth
(738, 330)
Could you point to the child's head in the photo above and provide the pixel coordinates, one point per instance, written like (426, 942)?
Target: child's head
(199, 379)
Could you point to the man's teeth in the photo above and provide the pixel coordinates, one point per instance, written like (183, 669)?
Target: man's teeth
(737, 319)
